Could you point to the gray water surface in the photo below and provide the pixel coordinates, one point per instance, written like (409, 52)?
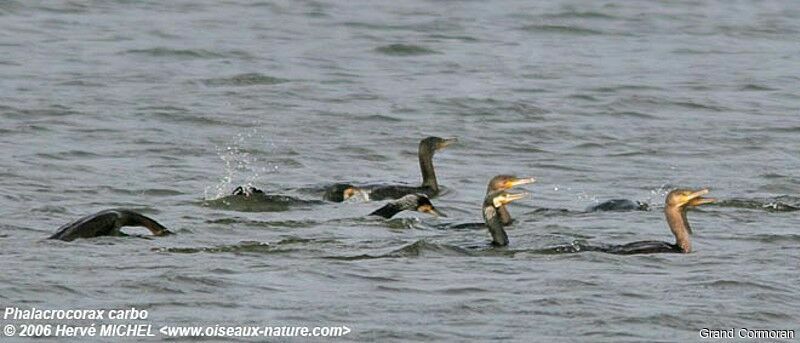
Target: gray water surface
(163, 107)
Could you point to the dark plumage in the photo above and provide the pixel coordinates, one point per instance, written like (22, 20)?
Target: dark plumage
(411, 202)
(429, 186)
(619, 205)
(340, 192)
(107, 223)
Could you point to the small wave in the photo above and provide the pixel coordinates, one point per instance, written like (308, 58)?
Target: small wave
(242, 247)
(376, 27)
(736, 285)
(756, 88)
(416, 249)
(404, 50)
(9, 7)
(249, 79)
(183, 53)
(774, 238)
(460, 38)
(561, 29)
(579, 15)
(624, 87)
(68, 155)
(777, 204)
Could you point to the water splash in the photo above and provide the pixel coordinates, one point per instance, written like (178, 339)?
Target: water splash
(241, 168)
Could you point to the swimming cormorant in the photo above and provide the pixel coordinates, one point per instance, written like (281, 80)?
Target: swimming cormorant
(675, 210)
(619, 205)
(411, 202)
(429, 187)
(107, 223)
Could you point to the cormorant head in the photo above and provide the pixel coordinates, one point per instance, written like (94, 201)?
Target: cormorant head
(433, 144)
(246, 191)
(683, 198)
(341, 191)
(424, 205)
(505, 182)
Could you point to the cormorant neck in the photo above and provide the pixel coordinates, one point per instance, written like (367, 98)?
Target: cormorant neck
(505, 217)
(426, 166)
(676, 219)
(495, 225)
(134, 219)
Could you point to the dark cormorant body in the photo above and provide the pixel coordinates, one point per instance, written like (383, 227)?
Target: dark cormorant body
(411, 202)
(107, 223)
(619, 205)
(429, 186)
(251, 199)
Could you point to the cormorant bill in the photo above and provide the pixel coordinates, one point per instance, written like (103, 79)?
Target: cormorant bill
(342, 191)
(411, 202)
(506, 182)
(676, 204)
(107, 223)
(491, 214)
(430, 186)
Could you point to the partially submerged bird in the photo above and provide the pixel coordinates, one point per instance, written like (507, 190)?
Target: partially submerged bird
(676, 204)
(252, 199)
(108, 223)
(340, 192)
(411, 202)
(430, 186)
(619, 205)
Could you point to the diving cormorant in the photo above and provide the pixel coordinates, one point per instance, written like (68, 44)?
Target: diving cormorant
(107, 223)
